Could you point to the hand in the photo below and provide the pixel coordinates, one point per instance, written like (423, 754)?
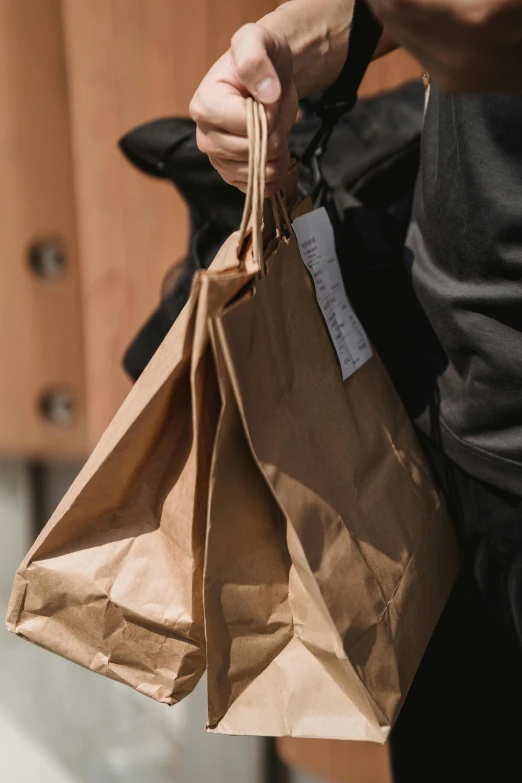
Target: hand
(466, 45)
(259, 63)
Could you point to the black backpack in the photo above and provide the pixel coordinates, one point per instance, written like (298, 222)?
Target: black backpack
(360, 161)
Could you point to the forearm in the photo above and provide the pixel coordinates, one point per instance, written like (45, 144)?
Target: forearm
(317, 32)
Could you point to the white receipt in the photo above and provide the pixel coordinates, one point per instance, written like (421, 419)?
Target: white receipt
(315, 237)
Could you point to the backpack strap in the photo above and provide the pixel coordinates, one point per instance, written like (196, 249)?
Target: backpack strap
(341, 96)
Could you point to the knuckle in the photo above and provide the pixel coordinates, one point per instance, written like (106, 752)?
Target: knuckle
(246, 34)
(249, 64)
(196, 109)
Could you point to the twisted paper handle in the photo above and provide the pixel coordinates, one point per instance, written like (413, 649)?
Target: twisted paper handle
(257, 131)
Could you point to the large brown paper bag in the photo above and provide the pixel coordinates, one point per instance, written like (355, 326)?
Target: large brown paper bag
(329, 552)
(114, 581)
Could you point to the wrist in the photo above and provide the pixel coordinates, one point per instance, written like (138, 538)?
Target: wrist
(317, 33)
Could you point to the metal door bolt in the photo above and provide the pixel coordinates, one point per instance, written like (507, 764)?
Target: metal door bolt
(48, 260)
(58, 406)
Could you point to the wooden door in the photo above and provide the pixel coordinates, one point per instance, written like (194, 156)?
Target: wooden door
(130, 61)
(42, 404)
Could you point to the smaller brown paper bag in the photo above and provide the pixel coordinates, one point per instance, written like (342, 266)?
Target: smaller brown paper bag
(114, 580)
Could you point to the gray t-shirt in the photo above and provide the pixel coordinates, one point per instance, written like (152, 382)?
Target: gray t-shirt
(466, 243)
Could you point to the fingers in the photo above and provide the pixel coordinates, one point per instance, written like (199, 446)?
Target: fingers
(256, 56)
(259, 63)
(220, 144)
(218, 105)
(232, 170)
(236, 172)
(263, 65)
(229, 153)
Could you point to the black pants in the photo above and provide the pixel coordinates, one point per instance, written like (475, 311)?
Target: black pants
(462, 719)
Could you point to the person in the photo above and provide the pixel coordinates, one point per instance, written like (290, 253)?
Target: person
(462, 717)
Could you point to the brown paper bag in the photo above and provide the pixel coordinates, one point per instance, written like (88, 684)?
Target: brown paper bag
(329, 551)
(114, 580)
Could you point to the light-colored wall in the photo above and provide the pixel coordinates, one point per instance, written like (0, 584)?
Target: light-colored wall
(76, 727)
(15, 517)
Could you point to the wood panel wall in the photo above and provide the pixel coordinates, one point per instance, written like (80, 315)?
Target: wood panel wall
(130, 61)
(40, 319)
(74, 76)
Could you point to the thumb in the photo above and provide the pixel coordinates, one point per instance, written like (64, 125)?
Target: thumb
(262, 61)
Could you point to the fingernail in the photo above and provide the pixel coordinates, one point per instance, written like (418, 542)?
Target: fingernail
(266, 90)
